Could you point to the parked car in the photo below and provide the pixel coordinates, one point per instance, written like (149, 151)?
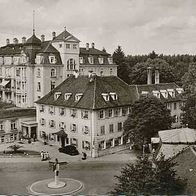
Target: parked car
(70, 150)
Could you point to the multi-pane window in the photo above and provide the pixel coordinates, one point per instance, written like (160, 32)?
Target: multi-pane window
(52, 123)
(61, 125)
(101, 114)
(1, 125)
(110, 112)
(62, 111)
(13, 125)
(120, 127)
(38, 73)
(102, 130)
(73, 128)
(38, 86)
(51, 110)
(109, 143)
(175, 106)
(53, 73)
(111, 128)
(86, 145)
(117, 112)
(42, 121)
(84, 114)
(52, 85)
(124, 111)
(68, 46)
(71, 64)
(74, 46)
(85, 130)
(18, 72)
(41, 108)
(73, 113)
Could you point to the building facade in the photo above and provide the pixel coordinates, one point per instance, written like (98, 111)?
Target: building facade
(169, 93)
(90, 112)
(17, 123)
(32, 68)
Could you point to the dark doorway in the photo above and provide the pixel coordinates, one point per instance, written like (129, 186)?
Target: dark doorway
(34, 132)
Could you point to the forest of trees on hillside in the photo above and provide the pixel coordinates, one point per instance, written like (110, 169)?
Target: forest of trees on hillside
(177, 65)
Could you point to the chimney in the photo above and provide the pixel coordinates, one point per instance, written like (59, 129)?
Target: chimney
(93, 45)
(156, 79)
(149, 75)
(15, 41)
(53, 35)
(23, 40)
(42, 38)
(7, 41)
(87, 46)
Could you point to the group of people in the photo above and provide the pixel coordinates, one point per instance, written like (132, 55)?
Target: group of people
(44, 156)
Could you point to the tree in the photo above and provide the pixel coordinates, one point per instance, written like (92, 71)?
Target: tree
(148, 116)
(189, 80)
(189, 109)
(153, 55)
(119, 59)
(142, 178)
(138, 74)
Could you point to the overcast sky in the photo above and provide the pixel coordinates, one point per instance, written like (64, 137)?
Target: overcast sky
(139, 26)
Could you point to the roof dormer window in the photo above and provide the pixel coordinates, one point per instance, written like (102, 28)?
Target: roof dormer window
(114, 96)
(110, 60)
(67, 96)
(179, 90)
(156, 94)
(164, 93)
(100, 60)
(105, 96)
(57, 95)
(78, 96)
(52, 59)
(91, 60)
(144, 93)
(171, 92)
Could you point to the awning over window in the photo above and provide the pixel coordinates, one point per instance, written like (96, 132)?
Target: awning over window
(61, 133)
(4, 83)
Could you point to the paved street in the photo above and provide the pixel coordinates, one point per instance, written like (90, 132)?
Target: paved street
(97, 174)
(98, 177)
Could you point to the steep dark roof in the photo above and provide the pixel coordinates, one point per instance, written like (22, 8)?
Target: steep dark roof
(11, 49)
(48, 48)
(92, 51)
(17, 112)
(33, 40)
(92, 93)
(157, 87)
(64, 35)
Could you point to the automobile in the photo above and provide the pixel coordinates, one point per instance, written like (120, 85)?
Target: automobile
(69, 149)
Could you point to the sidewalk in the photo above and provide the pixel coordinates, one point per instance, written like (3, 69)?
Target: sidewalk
(122, 156)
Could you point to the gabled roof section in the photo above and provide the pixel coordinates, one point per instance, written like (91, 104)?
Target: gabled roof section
(65, 35)
(92, 93)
